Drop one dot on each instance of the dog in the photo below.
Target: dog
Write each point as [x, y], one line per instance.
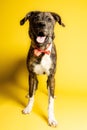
[42, 56]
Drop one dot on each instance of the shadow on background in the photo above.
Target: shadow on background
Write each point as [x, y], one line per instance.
[11, 70]
[13, 81]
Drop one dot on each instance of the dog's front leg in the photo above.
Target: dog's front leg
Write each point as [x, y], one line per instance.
[33, 82]
[51, 86]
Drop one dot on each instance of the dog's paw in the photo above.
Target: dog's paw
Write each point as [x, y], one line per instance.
[52, 122]
[26, 111]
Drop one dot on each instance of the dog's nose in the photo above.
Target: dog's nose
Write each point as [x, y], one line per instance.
[41, 24]
[40, 34]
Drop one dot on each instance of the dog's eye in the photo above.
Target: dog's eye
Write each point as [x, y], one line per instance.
[36, 18]
[49, 19]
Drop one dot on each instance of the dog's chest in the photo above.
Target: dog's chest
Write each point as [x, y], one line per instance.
[44, 66]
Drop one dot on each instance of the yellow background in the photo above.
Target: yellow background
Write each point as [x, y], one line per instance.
[71, 74]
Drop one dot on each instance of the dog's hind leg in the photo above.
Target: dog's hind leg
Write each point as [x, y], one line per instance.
[33, 82]
[51, 86]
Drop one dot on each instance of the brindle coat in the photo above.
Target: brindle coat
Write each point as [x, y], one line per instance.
[42, 24]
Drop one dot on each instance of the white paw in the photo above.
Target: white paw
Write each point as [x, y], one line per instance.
[53, 122]
[26, 110]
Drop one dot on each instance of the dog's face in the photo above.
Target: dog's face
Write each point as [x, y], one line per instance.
[41, 29]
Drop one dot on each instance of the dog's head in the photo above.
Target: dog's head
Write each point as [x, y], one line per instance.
[41, 29]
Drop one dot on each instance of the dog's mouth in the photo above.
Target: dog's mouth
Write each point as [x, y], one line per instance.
[41, 38]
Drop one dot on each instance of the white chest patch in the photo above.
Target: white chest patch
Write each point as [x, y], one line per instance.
[45, 64]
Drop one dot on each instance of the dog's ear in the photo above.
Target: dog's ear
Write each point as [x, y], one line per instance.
[28, 16]
[25, 18]
[57, 18]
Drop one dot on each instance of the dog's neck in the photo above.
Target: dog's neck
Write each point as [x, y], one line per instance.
[38, 51]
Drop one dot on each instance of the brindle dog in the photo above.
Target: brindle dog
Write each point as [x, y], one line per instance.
[42, 56]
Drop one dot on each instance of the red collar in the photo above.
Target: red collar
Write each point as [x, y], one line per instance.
[38, 51]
